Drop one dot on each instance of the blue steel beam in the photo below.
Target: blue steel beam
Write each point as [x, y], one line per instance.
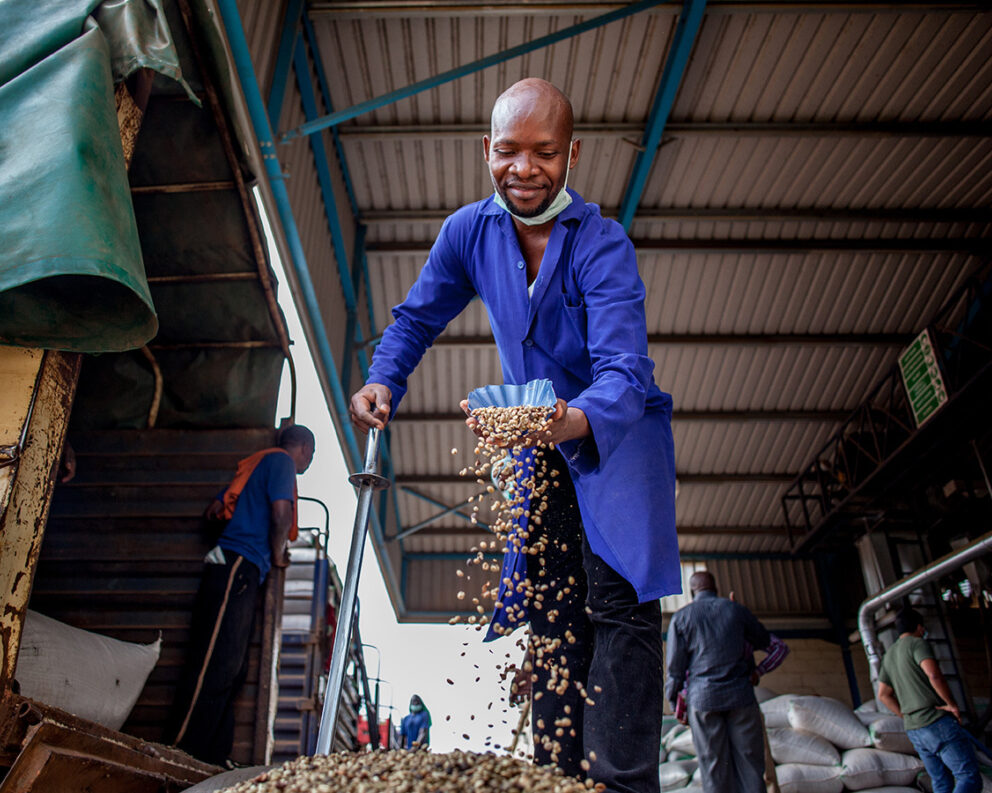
[671, 78]
[284, 58]
[436, 503]
[353, 328]
[263, 133]
[369, 105]
[325, 93]
[231, 20]
[302, 68]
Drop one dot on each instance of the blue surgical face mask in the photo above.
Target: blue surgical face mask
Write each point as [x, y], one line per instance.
[555, 208]
[416, 708]
[926, 633]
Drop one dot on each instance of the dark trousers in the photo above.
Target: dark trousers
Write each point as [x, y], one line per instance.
[610, 646]
[202, 720]
[731, 746]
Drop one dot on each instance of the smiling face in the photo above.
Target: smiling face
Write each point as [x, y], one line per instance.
[530, 149]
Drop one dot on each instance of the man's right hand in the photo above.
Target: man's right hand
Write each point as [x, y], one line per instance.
[370, 407]
[953, 710]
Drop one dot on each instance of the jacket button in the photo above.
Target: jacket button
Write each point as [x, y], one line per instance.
[528, 342]
[520, 265]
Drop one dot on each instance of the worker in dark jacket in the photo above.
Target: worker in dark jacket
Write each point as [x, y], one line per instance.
[259, 506]
[709, 639]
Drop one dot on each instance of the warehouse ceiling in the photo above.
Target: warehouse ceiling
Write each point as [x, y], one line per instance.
[805, 184]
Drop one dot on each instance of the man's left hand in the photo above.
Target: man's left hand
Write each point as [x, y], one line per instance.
[567, 424]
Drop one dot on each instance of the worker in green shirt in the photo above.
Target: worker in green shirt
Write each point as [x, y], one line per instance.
[912, 686]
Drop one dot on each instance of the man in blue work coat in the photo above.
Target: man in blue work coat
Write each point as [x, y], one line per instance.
[566, 302]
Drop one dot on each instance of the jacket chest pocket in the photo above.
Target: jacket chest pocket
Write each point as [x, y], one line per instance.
[569, 339]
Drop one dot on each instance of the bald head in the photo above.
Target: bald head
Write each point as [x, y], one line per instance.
[530, 150]
[533, 96]
[702, 581]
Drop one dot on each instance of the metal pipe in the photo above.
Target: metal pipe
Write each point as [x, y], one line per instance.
[367, 481]
[945, 564]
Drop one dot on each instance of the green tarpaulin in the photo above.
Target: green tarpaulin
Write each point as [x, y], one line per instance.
[71, 273]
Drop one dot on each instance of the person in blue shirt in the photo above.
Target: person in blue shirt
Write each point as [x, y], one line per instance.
[565, 302]
[712, 641]
[415, 728]
[260, 507]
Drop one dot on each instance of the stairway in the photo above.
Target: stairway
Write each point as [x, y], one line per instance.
[911, 554]
[294, 712]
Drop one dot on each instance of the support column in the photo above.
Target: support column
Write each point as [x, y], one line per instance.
[34, 413]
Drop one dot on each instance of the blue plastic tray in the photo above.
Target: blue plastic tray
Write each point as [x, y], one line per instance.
[535, 393]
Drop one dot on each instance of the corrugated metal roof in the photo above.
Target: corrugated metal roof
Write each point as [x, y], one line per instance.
[818, 185]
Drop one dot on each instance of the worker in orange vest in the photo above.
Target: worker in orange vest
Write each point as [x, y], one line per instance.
[259, 507]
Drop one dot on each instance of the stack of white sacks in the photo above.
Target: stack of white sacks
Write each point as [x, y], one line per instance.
[819, 746]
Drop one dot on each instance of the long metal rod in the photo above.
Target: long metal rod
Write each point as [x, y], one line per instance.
[346, 608]
[945, 564]
[671, 78]
[461, 71]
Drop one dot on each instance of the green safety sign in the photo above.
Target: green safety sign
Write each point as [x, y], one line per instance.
[921, 376]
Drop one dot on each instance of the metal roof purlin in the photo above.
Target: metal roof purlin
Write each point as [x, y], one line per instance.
[671, 78]
[461, 71]
[719, 129]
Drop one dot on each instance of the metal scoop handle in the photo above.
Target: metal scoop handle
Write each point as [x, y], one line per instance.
[368, 481]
